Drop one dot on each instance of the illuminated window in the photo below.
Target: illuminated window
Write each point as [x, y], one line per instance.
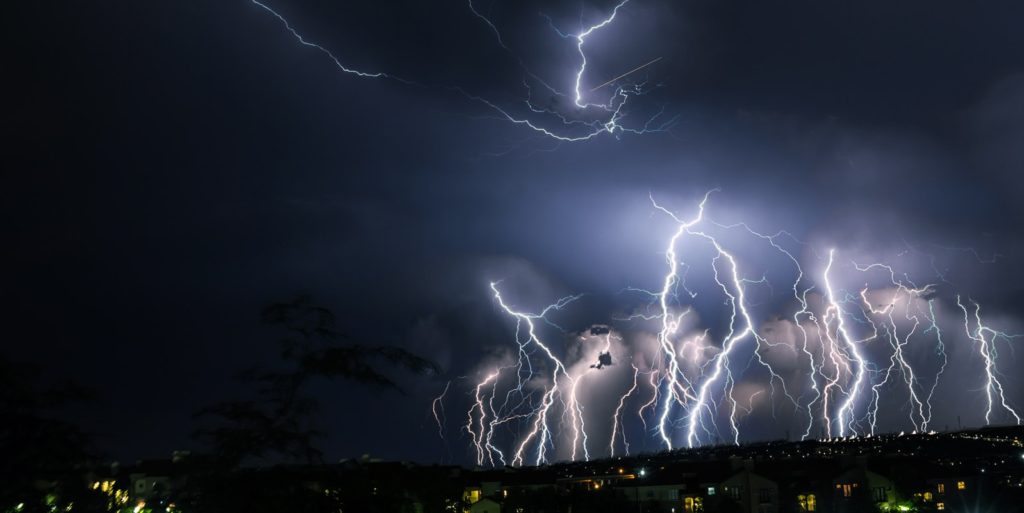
[928, 496]
[711, 490]
[940, 506]
[693, 505]
[847, 489]
[807, 502]
[960, 485]
[472, 496]
[941, 487]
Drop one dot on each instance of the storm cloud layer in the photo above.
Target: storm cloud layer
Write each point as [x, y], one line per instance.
[175, 167]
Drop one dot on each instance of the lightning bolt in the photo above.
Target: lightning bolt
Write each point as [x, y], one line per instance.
[987, 350]
[734, 288]
[563, 129]
[721, 361]
[940, 350]
[652, 377]
[581, 39]
[617, 417]
[906, 295]
[534, 401]
[837, 335]
[437, 408]
[676, 391]
[842, 335]
[540, 428]
[478, 434]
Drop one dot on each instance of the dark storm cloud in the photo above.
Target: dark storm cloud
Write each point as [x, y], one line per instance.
[177, 166]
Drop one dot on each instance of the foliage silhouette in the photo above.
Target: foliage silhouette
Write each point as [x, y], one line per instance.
[42, 458]
[277, 426]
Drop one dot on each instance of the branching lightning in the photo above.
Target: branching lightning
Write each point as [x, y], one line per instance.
[986, 338]
[848, 349]
[437, 408]
[617, 426]
[585, 121]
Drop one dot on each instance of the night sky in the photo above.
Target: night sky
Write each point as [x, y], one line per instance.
[172, 167]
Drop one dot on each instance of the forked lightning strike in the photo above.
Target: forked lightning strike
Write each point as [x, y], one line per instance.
[585, 121]
[847, 331]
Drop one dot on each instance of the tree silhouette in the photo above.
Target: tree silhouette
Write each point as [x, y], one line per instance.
[278, 425]
[279, 422]
[41, 454]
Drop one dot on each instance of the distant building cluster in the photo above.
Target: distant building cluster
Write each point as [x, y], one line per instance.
[972, 472]
[840, 485]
